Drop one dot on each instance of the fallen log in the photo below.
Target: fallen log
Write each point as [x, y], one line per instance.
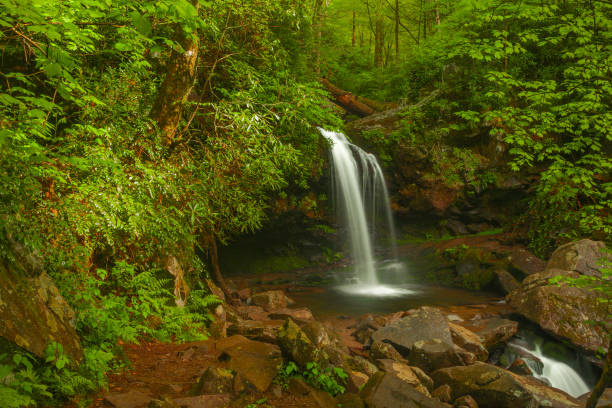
[387, 120]
[347, 100]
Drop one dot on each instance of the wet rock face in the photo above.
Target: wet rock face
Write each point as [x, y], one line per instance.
[411, 375]
[494, 387]
[562, 310]
[34, 314]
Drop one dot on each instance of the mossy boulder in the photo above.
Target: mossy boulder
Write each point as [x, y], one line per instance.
[33, 312]
[296, 345]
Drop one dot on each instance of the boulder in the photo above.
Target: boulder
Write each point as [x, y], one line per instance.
[425, 323]
[466, 402]
[208, 401]
[380, 350]
[34, 314]
[407, 374]
[129, 399]
[386, 390]
[257, 362]
[215, 381]
[433, 354]
[250, 312]
[524, 261]
[583, 257]
[443, 393]
[505, 281]
[356, 380]
[299, 314]
[494, 387]
[261, 330]
[296, 345]
[270, 300]
[520, 367]
[349, 400]
[494, 331]
[469, 341]
[561, 310]
[361, 364]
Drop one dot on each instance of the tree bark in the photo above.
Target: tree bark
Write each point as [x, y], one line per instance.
[177, 85]
[378, 41]
[214, 261]
[604, 380]
[318, 21]
[354, 29]
[397, 26]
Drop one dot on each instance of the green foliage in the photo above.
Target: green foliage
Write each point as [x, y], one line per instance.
[328, 379]
[25, 380]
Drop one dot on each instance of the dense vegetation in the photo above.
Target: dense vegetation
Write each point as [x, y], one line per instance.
[100, 183]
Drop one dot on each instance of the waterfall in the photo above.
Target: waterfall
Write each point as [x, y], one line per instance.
[557, 373]
[361, 193]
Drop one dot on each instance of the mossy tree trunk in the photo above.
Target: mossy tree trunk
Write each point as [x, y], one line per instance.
[175, 88]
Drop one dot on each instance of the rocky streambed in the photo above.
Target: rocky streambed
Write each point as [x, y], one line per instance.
[446, 356]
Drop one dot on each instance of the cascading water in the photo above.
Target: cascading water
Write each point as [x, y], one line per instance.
[557, 373]
[359, 186]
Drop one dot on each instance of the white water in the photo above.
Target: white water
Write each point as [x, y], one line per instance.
[355, 185]
[557, 373]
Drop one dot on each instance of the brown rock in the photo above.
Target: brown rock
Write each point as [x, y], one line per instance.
[469, 341]
[563, 311]
[494, 387]
[526, 262]
[506, 281]
[34, 314]
[204, 401]
[434, 354]
[349, 400]
[494, 331]
[296, 345]
[270, 300]
[583, 257]
[356, 380]
[520, 367]
[380, 350]
[443, 393]
[215, 381]
[252, 312]
[300, 314]
[466, 401]
[407, 374]
[386, 390]
[257, 362]
[261, 330]
[130, 399]
[423, 324]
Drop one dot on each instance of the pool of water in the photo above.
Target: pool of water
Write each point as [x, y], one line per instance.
[402, 285]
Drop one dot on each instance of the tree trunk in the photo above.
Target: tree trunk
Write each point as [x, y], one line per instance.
[604, 380]
[354, 28]
[437, 13]
[397, 25]
[378, 42]
[213, 256]
[175, 89]
[318, 21]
